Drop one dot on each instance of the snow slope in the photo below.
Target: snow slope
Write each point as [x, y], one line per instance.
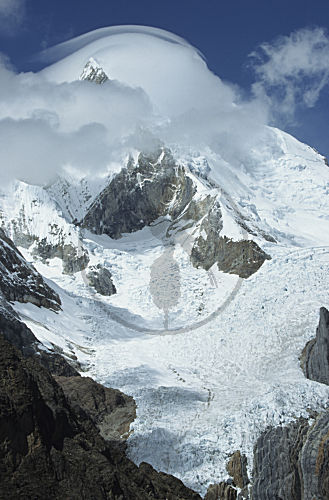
[203, 392]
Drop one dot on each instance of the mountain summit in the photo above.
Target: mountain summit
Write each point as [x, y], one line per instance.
[93, 72]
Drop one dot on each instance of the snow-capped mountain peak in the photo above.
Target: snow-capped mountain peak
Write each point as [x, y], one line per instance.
[93, 72]
[219, 263]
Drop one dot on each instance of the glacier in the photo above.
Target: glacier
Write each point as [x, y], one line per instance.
[226, 365]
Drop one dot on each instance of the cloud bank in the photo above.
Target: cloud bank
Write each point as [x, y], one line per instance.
[160, 87]
[46, 127]
[293, 70]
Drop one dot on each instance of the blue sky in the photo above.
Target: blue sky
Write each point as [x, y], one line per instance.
[226, 32]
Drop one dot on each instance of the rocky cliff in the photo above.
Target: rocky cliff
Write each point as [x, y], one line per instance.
[59, 436]
[315, 356]
[236, 487]
[19, 281]
[110, 410]
[156, 186]
[49, 450]
[276, 462]
[292, 462]
[140, 193]
[242, 257]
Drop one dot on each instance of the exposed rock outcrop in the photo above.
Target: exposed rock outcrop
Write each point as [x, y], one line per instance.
[20, 336]
[276, 462]
[206, 243]
[47, 450]
[15, 331]
[111, 410]
[237, 469]
[314, 460]
[139, 194]
[235, 488]
[100, 278]
[156, 186]
[221, 491]
[19, 281]
[74, 259]
[292, 462]
[315, 356]
[242, 257]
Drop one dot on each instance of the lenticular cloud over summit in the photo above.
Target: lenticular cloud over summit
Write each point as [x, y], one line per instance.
[171, 72]
[159, 88]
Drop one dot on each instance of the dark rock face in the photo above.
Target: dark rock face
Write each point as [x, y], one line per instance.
[74, 259]
[242, 257]
[20, 336]
[314, 460]
[292, 462]
[139, 194]
[111, 410]
[15, 331]
[228, 490]
[315, 356]
[237, 469]
[47, 450]
[56, 364]
[156, 187]
[100, 278]
[276, 462]
[19, 281]
[221, 491]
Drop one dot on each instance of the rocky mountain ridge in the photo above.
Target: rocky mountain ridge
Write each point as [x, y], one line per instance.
[48, 449]
[155, 187]
[19, 281]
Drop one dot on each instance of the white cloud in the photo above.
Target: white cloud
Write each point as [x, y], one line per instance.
[293, 70]
[12, 13]
[160, 87]
[45, 127]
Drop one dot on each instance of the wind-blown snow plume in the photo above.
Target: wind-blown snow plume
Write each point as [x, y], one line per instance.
[293, 70]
